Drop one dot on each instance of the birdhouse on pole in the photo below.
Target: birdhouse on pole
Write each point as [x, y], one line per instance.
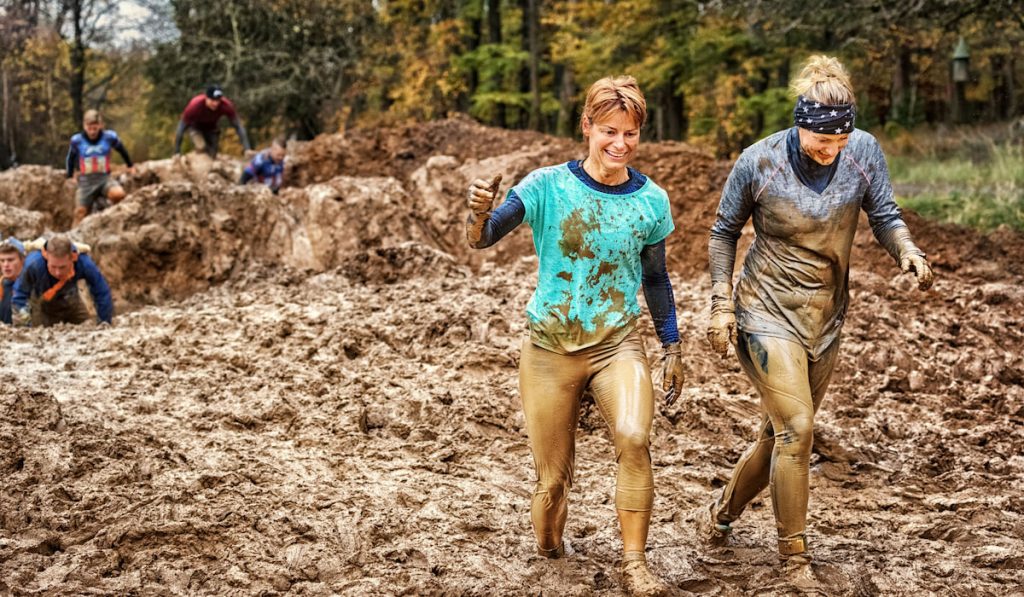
[960, 59]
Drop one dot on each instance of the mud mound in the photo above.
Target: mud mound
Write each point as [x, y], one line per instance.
[401, 150]
[41, 189]
[984, 257]
[693, 180]
[169, 240]
[438, 189]
[388, 265]
[21, 223]
[190, 167]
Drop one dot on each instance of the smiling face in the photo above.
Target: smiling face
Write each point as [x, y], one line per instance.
[612, 141]
[820, 147]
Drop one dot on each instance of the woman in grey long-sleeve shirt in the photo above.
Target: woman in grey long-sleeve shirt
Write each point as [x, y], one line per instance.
[804, 187]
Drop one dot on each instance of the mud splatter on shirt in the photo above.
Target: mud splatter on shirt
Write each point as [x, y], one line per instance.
[588, 239]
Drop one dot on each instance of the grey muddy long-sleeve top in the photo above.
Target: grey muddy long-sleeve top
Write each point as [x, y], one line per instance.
[795, 278]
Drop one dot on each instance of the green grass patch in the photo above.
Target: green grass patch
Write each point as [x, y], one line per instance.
[983, 188]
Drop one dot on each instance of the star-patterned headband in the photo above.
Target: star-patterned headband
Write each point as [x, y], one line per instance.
[821, 118]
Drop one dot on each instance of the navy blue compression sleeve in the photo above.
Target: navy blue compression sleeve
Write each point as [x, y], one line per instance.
[658, 292]
[71, 163]
[502, 220]
[121, 149]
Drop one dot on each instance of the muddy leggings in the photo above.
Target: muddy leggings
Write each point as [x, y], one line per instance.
[551, 385]
[791, 386]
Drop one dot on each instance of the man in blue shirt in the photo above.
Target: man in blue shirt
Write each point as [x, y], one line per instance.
[88, 164]
[267, 167]
[47, 291]
[12, 258]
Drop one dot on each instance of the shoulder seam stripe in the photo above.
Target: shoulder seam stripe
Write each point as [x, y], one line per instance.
[765, 185]
[862, 172]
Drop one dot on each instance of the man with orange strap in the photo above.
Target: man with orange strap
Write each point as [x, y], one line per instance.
[46, 293]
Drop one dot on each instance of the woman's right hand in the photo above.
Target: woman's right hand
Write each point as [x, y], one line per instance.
[482, 194]
[722, 331]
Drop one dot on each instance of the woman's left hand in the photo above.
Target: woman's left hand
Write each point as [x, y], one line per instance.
[672, 372]
[919, 265]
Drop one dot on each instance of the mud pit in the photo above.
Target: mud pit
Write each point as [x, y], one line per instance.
[279, 419]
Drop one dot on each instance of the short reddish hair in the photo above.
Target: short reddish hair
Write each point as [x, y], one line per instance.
[610, 94]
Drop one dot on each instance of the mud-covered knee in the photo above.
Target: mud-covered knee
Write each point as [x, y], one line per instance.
[632, 443]
[796, 436]
[552, 492]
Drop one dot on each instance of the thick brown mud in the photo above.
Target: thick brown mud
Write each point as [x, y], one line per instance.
[316, 394]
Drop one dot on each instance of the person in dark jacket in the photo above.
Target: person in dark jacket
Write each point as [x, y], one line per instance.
[46, 292]
[201, 119]
[12, 259]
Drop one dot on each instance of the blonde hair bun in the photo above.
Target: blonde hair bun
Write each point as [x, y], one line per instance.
[824, 79]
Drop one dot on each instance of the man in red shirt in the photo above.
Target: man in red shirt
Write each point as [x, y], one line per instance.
[201, 118]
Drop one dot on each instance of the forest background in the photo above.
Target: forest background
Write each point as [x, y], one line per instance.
[716, 74]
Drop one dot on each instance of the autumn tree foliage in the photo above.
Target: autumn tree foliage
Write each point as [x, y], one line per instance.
[714, 72]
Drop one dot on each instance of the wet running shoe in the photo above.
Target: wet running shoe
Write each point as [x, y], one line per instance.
[564, 549]
[552, 554]
[638, 578]
[709, 529]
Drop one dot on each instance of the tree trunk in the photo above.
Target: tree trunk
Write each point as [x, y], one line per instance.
[684, 117]
[523, 119]
[533, 38]
[475, 35]
[1009, 68]
[782, 72]
[660, 107]
[1001, 102]
[901, 93]
[494, 37]
[77, 58]
[54, 133]
[6, 139]
[566, 124]
[675, 115]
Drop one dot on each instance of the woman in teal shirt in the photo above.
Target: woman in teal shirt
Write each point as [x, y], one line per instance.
[599, 229]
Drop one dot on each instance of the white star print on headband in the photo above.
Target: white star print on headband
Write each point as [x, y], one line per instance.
[822, 118]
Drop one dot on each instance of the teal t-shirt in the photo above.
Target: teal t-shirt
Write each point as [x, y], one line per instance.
[588, 237]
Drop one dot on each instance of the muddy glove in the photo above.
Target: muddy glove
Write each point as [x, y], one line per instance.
[481, 198]
[898, 242]
[482, 194]
[722, 331]
[914, 262]
[672, 372]
[722, 327]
